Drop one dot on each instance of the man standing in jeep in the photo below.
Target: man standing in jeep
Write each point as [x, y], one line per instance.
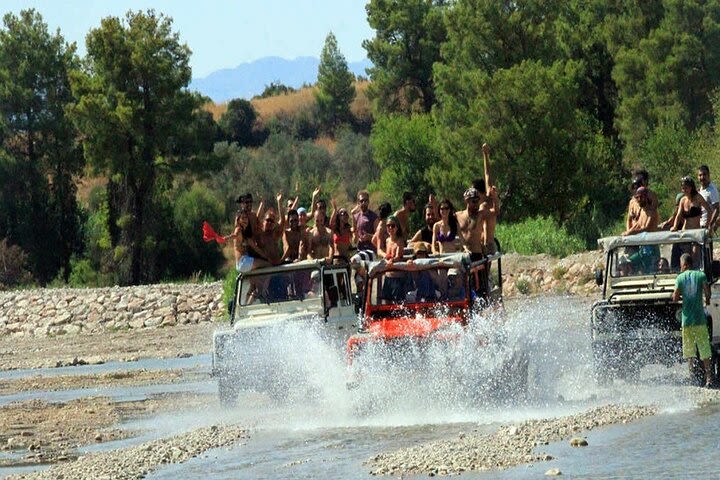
[690, 285]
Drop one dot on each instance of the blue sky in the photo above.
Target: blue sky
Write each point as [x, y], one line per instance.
[224, 33]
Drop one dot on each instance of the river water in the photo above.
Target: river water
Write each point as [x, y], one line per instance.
[327, 436]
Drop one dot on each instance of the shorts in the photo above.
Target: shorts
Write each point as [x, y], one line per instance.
[245, 264]
[696, 336]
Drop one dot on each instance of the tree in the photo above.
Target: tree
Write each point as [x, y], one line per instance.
[405, 148]
[533, 80]
[39, 211]
[132, 103]
[669, 75]
[335, 86]
[408, 35]
[238, 120]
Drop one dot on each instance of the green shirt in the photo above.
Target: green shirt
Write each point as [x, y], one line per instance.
[691, 283]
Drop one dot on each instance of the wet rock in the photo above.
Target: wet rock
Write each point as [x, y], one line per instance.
[578, 442]
[553, 472]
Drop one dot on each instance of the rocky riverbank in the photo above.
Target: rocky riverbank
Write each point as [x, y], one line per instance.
[509, 446]
[52, 312]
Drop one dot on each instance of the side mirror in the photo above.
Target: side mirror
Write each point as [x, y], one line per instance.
[598, 276]
[716, 268]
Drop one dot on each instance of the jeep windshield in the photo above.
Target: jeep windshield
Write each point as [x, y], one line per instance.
[660, 259]
[279, 287]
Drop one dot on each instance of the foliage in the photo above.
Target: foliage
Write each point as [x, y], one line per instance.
[131, 103]
[405, 149]
[274, 89]
[13, 266]
[190, 253]
[408, 35]
[237, 122]
[538, 235]
[229, 286]
[335, 86]
[670, 74]
[38, 209]
[353, 159]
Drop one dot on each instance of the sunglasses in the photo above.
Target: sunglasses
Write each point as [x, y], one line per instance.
[364, 200]
[391, 225]
[444, 208]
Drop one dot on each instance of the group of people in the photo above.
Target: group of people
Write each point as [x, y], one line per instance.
[694, 208]
[286, 233]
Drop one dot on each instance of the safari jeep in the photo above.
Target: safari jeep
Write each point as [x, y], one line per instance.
[272, 312]
[417, 316]
[636, 323]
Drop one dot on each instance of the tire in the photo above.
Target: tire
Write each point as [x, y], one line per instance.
[227, 391]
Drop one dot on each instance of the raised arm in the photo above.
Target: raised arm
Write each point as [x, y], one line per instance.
[315, 195]
[281, 214]
[333, 216]
[433, 247]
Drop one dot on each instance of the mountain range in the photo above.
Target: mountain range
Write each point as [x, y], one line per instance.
[250, 79]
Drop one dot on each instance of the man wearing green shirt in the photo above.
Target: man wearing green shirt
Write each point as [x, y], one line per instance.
[690, 285]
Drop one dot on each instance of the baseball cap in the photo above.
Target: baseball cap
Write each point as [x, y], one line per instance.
[471, 192]
[301, 210]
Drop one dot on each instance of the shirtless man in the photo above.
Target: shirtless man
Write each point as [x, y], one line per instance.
[640, 179]
[472, 222]
[294, 239]
[271, 233]
[403, 215]
[320, 244]
[365, 222]
[647, 216]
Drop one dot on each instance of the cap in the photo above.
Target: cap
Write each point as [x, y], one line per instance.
[453, 271]
[301, 210]
[623, 260]
[471, 193]
[315, 275]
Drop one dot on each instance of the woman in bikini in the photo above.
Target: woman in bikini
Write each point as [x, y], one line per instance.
[690, 206]
[395, 282]
[321, 245]
[342, 231]
[690, 212]
[248, 255]
[381, 233]
[445, 231]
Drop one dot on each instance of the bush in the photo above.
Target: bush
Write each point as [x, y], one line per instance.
[538, 235]
[13, 266]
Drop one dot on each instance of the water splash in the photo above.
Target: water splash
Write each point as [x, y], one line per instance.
[467, 376]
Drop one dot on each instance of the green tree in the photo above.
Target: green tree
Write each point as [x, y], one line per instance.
[408, 35]
[405, 148]
[353, 154]
[238, 120]
[335, 86]
[39, 210]
[669, 75]
[132, 103]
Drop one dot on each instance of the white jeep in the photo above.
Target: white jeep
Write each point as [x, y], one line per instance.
[270, 303]
[637, 323]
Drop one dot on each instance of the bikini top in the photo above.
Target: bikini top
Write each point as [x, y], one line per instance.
[342, 239]
[693, 212]
[442, 238]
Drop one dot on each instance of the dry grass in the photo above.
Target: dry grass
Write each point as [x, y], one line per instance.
[85, 186]
[291, 103]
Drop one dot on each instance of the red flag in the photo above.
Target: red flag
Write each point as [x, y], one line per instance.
[209, 234]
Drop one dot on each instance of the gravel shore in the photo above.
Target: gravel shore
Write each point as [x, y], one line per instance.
[509, 446]
[136, 462]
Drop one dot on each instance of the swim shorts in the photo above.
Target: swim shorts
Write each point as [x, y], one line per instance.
[696, 336]
[244, 264]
